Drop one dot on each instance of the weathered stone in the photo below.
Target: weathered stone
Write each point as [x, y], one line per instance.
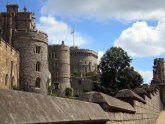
[59, 66]
[108, 103]
[18, 29]
[83, 60]
[129, 96]
[23, 107]
[141, 92]
[9, 66]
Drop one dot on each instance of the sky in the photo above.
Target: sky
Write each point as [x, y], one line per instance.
[137, 26]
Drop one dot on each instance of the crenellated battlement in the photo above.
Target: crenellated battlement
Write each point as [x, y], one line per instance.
[77, 51]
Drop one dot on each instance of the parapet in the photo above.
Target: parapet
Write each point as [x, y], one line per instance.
[108, 103]
[77, 51]
[160, 60]
[32, 34]
[49, 109]
[61, 46]
[128, 96]
[141, 92]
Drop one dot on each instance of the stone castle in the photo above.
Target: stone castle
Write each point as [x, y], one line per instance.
[38, 63]
[29, 63]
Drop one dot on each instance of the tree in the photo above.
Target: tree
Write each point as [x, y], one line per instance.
[117, 73]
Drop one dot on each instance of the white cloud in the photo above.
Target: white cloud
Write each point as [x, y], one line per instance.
[106, 9]
[100, 54]
[141, 40]
[147, 75]
[59, 31]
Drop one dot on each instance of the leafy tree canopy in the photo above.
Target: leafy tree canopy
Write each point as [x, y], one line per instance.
[117, 73]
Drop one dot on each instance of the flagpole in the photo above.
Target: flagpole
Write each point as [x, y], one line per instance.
[73, 38]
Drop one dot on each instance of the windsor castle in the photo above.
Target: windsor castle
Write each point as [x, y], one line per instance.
[29, 63]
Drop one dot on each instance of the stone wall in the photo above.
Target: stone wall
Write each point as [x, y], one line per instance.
[18, 107]
[144, 110]
[9, 70]
[83, 84]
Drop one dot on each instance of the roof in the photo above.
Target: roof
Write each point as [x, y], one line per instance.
[24, 107]
[112, 103]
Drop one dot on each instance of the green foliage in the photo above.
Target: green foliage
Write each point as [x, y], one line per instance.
[76, 74]
[68, 92]
[51, 92]
[90, 74]
[117, 73]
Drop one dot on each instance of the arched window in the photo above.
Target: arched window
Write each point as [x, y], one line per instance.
[38, 80]
[6, 79]
[38, 66]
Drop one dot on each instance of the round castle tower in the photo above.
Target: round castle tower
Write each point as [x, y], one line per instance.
[59, 66]
[83, 60]
[33, 47]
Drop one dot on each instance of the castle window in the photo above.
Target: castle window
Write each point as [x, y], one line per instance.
[38, 66]
[57, 74]
[6, 79]
[38, 80]
[56, 86]
[38, 49]
[55, 56]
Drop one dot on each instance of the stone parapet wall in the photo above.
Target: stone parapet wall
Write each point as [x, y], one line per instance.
[145, 113]
[84, 51]
[32, 34]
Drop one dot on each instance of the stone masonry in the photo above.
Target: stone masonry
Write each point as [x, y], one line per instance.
[59, 66]
[18, 29]
[83, 60]
[9, 61]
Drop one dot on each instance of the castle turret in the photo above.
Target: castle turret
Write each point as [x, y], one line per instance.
[158, 71]
[19, 29]
[59, 66]
[83, 60]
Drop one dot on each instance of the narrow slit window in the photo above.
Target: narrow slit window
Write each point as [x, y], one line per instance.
[38, 80]
[38, 49]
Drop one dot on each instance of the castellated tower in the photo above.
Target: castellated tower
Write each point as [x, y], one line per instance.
[83, 60]
[158, 71]
[18, 29]
[59, 66]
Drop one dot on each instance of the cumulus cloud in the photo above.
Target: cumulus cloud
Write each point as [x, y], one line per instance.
[106, 9]
[100, 54]
[59, 31]
[142, 40]
[147, 75]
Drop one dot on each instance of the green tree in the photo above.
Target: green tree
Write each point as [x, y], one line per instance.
[117, 73]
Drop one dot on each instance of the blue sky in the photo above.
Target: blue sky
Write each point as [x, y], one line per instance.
[137, 26]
